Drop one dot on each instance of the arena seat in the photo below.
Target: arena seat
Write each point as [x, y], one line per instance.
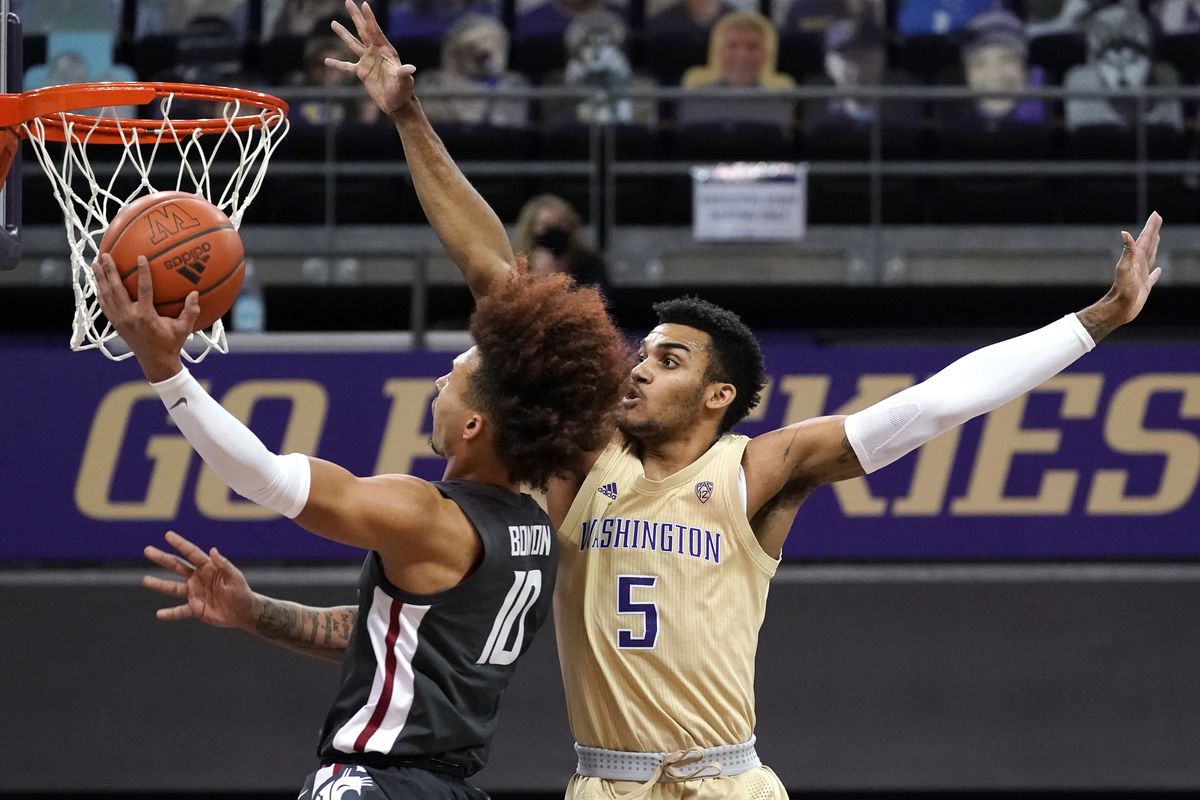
[731, 140]
[1056, 53]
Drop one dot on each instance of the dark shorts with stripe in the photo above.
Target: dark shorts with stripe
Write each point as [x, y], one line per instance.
[358, 782]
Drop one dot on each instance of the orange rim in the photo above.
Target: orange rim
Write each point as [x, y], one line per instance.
[53, 107]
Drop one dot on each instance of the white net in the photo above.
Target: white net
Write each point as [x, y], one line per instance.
[225, 165]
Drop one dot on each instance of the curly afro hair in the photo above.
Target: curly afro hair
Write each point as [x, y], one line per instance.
[735, 356]
[551, 366]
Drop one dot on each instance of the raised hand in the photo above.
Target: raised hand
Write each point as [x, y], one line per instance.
[155, 340]
[388, 80]
[1136, 273]
[213, 589]
[1135, 277]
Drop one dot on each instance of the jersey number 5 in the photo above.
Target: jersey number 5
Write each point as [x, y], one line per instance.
[527, 586]
[627, 605]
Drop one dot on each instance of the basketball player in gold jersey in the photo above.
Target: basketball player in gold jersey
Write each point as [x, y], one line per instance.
[670, 534]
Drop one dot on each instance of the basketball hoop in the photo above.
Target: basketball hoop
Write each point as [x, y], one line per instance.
[156, 155]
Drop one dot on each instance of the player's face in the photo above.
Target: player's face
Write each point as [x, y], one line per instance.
[997, 68]
[665, 391]
[743, 54]
[450, 408]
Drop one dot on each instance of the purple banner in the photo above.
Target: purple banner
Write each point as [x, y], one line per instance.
[1101, 462]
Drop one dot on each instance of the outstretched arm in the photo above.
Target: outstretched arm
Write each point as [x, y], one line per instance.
[830, 449]
[468, 227]
[390, 514]
[215, 592]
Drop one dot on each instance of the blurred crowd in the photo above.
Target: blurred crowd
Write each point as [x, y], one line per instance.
[493, 45]
[490, 46]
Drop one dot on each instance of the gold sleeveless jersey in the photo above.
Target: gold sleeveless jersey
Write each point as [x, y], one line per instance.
[661, 591]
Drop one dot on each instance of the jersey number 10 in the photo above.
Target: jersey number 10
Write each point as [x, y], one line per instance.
[502, 647]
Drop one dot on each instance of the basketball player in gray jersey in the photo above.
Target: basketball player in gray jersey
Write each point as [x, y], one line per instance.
[460, 571]
[680, 523]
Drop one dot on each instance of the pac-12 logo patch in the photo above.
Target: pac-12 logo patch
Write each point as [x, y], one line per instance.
[704, 490]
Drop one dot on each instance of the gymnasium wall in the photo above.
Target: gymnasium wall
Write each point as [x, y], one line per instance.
[924, 678]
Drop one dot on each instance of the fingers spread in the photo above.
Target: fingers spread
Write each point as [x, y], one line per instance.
[169, 588]
[357, 16]
[193, 554]
[173, 613]
[1154, 276]
[168, 561]
[344, 66]
[369, 28]
[349, 38]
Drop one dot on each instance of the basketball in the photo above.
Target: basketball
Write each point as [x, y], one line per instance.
[191, 246]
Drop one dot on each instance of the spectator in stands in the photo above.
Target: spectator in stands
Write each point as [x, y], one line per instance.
[551, 17]
[414, 19]
[475, 57]
[316, 73]
[50, 16]
[1177, 16]
[299, 17]
[596, 59]
[549, 232]
[995, 59]
[815, 16]
[79, 37]
[67, 64]
[742, 54]
[1120, 50]
[926, 17]
[173, 16]
[855, 58]
[207, 50]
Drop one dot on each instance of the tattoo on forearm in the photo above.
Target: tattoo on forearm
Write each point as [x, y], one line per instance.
[319, 628]
[1096, 326]
[277, 621]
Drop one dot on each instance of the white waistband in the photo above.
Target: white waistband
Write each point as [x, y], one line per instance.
[621, 765]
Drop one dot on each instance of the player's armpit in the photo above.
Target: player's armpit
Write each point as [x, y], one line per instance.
[804, 455]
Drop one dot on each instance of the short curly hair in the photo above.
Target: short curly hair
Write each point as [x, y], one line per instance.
[735, 357]
[551, 366]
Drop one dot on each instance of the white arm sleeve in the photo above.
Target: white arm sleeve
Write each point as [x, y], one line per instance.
[973, 385]
[239, 458]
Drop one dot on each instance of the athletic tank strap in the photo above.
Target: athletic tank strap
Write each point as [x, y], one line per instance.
[682, 765]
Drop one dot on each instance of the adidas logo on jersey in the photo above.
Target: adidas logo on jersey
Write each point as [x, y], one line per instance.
[609, 490]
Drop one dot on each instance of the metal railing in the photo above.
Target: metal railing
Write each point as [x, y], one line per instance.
[603, 165]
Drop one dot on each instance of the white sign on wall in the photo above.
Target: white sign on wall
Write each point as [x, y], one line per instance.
[747, 201]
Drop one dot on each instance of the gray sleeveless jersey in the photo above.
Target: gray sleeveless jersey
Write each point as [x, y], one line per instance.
[423, 674]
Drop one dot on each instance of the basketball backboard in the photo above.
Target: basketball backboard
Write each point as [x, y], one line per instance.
[11, 67]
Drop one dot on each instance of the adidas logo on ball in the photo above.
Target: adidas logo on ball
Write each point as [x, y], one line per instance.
[190, 263]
